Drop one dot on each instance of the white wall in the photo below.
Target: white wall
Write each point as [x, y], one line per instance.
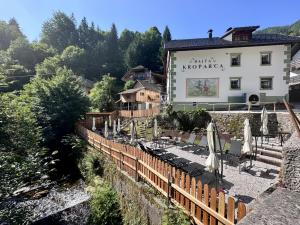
[250, 72]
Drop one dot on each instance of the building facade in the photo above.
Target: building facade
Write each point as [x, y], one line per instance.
[238, 67]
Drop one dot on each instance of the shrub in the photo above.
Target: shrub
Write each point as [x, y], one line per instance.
[175, 217]
[105, 207]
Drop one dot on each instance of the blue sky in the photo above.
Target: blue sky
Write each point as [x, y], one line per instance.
[186, 18]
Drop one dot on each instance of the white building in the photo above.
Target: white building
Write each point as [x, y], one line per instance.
[237, 67]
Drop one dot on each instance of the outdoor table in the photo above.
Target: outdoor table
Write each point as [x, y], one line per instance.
[179, 162]
[165, 140]
[157, 151]
[167, 156]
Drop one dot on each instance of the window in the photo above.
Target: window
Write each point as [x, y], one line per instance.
[235, 83]
[265, 58]
[235, 59]
[266, 83]
[141, 93]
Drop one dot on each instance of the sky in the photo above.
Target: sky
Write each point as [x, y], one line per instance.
[185, 18]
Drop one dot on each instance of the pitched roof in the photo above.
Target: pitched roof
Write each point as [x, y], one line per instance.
[131, 91]
[147, 85]
[216, 42]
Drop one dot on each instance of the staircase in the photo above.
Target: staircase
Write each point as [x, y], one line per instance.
[269, 153]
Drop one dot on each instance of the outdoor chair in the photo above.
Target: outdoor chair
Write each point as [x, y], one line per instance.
[223, 142]
[201, 146]
[188, 143]
[234, 155]
[193, 169]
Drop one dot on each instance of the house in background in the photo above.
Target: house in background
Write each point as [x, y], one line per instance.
[145, 97]
[142, 96]
[238, 67]
[144, 74]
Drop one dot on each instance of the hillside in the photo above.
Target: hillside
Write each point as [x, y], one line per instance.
[292, 30]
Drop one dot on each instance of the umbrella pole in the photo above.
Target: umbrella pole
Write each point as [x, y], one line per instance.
[216, 128]
[215, 150]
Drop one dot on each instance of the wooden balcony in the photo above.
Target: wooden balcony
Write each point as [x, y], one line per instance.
[139, 113]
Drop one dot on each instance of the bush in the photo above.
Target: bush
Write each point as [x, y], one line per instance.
[175, 217]
[105, 207]
[186, 120]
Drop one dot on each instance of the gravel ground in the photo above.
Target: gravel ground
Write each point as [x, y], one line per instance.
[245, 185]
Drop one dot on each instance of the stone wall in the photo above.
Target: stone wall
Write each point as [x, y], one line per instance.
[291, 163]
[232, 122]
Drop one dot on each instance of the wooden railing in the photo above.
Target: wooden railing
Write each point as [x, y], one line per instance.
[139, 113]
[204, 206]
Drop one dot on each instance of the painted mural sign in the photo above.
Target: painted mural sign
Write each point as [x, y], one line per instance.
[202, 87]
[206, 63]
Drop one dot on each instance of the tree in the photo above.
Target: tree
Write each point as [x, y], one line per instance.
[134, 55]
[125, 40]
[12, 75]
[20, 144]
[101, 96]
[49, 66]
[21, 50]
[113, 56]
[166, 35]
[73, 58]
[152, 39]
[8, 33]
[129, 85]
[58, 103]
[145, 50]
[60, 31]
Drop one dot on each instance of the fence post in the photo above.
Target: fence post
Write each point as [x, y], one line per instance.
[213, 107]
[229, 107]
[136, 169]
[169, 187]
[274, 108]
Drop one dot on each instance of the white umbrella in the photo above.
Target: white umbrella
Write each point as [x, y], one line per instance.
[94, 124]
[114, 128]
[247, 147]
[132, 132]
[119, 125]
[155, 128]
[264, 121]
[109, 121]
[105, 129]
[212, 162]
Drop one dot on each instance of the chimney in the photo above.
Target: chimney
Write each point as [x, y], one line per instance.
[210, 33]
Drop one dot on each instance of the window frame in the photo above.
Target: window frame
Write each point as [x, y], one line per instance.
[235, 54]
[240, 83]
[272, 83]
[270, 58]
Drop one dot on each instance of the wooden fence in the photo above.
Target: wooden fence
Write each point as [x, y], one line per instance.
[139, 113]
[204, 206]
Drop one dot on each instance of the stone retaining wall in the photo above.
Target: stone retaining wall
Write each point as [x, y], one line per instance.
[291, 163]
[232, 122]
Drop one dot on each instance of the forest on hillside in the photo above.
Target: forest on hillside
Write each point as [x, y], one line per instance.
[84, 48]
[292, 30]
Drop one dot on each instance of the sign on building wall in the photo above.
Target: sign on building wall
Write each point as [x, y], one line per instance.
[206, 63]
[202, 87]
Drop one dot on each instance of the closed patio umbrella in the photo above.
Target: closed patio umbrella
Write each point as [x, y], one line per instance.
[94, 124]
[119, 125]
[109, 121]
[212, 162]
[155, 128]
[132, 132]
[114, 128]
[105, 129]
[247, 147]
[264, 121]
